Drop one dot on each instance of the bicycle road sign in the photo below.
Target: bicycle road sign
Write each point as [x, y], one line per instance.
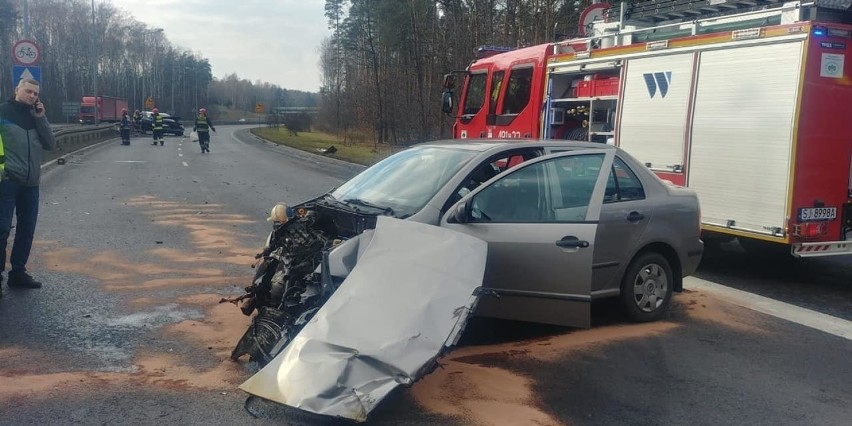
[26, 52]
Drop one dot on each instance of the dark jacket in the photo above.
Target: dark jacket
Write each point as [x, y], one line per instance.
[24, 136]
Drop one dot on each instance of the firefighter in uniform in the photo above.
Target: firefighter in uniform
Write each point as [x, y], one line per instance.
[124, 127]
[202, 126]
[157, 126]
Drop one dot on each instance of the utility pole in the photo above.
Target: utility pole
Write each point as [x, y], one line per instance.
[95, 66]
[26, 21]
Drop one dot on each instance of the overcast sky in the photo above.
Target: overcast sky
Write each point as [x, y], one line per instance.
[276, 41]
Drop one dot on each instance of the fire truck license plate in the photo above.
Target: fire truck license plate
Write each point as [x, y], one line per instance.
[817, 213]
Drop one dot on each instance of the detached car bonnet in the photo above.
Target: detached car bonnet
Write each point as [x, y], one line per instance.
[403, 304]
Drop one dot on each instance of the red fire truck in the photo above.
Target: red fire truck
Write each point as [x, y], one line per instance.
[752, 110]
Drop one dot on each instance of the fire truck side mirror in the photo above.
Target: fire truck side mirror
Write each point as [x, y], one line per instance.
[449, 82]
[447, 102]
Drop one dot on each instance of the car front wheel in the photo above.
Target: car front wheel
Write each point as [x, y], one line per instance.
[646, 289]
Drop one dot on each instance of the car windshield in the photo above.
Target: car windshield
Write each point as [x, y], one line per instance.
[406, 181]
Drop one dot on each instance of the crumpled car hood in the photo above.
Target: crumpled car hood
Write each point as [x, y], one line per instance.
[403, 304]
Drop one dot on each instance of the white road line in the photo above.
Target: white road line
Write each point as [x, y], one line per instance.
[129, 161]
[180, 155]
[817, 320]
[184, 164]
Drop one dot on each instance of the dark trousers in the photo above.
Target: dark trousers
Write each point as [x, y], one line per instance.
[125, 134]
[22, 201]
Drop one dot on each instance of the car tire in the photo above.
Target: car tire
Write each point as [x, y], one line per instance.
[647, 286]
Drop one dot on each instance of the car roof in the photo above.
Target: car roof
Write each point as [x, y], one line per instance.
[483, 145]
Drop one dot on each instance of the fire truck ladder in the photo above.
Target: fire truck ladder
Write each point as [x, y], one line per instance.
[656, 20]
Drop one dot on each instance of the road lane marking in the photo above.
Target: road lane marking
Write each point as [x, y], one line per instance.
[803, 316]
[184, 164]
[129, 161]
[180, 155]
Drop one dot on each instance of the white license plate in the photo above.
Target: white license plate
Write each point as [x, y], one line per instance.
[817, 213]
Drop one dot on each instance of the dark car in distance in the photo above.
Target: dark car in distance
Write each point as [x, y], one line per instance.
[172, 127]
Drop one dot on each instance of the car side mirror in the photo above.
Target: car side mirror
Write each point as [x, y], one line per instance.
[447, 102]
[461, 213]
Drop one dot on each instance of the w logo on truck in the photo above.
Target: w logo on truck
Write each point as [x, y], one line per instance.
[658, 80]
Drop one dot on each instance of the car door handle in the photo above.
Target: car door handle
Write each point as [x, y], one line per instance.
[635, 217]
[571, 241]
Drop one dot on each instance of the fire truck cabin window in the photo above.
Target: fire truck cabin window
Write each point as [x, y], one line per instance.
[475, 94]
[518, 91]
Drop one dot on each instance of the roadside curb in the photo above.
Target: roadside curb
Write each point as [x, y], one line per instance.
[52, 164]
[304, 154]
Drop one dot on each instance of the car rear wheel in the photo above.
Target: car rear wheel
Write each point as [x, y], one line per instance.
[646, 289]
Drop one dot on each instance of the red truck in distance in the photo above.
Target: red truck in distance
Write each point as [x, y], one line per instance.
[109, 109]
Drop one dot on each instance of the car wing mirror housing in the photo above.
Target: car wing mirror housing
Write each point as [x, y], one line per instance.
[461, 213]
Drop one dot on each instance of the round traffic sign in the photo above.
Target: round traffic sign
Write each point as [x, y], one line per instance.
[593, 13]
[26, 52]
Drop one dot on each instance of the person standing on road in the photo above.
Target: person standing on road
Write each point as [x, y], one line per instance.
[137, 121]
[202, 126]
[157, 126]
[24, 132]
[124, 127]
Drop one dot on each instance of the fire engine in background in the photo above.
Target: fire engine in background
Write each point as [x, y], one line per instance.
[109, 109]
[750, 108]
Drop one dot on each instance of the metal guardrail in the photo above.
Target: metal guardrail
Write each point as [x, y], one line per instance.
[72, 138]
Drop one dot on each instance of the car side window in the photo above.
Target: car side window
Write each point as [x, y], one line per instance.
[575, 178]
[555, 190]
[517, 197]
[490, 168]
[622, 185]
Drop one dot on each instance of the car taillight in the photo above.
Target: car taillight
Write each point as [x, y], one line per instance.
[809, 229]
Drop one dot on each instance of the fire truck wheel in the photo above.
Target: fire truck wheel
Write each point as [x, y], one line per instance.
[646, 289]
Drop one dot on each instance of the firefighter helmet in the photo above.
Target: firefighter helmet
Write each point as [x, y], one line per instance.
[203, 111]
[124, 110]
[155, 111]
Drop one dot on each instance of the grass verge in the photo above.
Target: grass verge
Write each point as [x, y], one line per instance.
[360, 153]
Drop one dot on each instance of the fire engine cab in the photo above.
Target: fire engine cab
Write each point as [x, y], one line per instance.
[749, 103]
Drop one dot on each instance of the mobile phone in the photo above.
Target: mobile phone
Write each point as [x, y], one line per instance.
[35, 108]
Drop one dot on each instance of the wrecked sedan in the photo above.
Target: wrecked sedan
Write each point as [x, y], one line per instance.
[565, 223]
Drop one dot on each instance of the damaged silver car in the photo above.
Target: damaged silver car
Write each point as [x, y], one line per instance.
[565, 223]
[406, 296]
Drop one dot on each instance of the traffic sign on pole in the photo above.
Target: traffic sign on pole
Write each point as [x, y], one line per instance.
[258, 108]
[149, 103]
[19, 72]
[26, 52]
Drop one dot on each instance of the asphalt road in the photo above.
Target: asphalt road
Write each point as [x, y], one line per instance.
[136, 245]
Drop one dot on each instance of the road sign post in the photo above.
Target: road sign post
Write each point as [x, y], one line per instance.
[258, 109]
[26, 55]
[70, 109]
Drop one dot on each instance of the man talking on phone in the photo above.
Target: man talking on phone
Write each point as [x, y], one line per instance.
[24, 132]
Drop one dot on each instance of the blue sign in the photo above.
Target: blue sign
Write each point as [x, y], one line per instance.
[25, 71]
